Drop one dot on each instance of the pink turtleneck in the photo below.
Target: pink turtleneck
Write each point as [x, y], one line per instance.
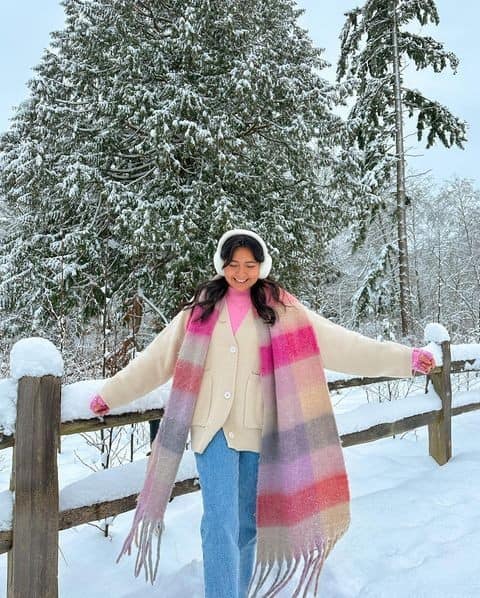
[238, 303]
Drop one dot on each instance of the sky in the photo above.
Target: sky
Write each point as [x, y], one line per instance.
[25, 26]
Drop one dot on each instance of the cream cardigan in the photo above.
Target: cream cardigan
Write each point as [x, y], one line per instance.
[230, 396]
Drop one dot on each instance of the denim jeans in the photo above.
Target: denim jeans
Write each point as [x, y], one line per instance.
[228, 480]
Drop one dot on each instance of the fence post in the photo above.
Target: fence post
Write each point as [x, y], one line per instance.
[440, 432]
[33, 558]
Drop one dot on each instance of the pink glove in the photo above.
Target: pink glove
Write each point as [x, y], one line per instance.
[98, 405]
[422, 361]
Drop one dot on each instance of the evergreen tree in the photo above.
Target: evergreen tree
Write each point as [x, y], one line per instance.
[151, 129]
[374, 297]
[374, 47]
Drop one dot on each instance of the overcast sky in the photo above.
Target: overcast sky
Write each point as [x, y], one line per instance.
[25, 26]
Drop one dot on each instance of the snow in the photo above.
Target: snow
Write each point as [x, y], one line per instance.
[436, 351]
[35, 356]
[473, 366]
[117, 482]
[106, 484]
[465, 397]
[366, 416]
[460, 352]
[76, 399]
[464, 352]
[6, 510]
[8, 406]
[436, 333]
[409, 516]
[333, 376]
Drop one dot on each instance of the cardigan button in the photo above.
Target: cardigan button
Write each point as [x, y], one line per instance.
[227, 394]
[231, 435]
[233, 349]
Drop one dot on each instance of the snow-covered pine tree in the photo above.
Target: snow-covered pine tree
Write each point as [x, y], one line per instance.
[151, 128]
[374, 295]
[3, 219]
[375, 43]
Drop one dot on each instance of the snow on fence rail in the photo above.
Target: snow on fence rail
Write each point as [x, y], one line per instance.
[31, 404]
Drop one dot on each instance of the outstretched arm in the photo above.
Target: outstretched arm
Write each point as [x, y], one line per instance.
[151, 368]
[352, 353]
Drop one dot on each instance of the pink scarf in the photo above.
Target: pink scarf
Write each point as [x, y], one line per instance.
[303, 494]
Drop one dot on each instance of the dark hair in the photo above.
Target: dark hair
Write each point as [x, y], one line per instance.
[215, 289]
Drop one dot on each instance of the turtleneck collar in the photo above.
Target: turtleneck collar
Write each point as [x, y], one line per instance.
[238, 304]
[238, 295]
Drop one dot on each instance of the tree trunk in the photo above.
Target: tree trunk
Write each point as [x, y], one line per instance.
[419, 302]
[405, 299]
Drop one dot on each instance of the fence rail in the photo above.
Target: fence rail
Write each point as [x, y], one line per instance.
[32, 543]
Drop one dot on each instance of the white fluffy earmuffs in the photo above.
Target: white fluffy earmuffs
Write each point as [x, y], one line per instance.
[265, 266]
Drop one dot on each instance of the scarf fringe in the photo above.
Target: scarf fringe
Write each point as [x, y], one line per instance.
[142, 533]
[313, 560]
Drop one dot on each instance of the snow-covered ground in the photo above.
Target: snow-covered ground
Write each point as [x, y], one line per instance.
[415, 528]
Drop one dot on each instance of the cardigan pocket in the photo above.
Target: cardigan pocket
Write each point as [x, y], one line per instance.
[253, 416]
[204, 401]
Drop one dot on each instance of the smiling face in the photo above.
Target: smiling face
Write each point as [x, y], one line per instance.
[243, 271]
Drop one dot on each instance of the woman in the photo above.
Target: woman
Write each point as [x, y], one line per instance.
[247, 361]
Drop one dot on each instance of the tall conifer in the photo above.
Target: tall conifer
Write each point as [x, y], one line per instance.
[152, 127]
[375, 45]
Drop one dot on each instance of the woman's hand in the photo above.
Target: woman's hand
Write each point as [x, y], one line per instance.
[98, 406]
[422, 361]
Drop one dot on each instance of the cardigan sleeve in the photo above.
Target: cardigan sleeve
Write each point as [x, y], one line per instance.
[151, 368]
[350, 352]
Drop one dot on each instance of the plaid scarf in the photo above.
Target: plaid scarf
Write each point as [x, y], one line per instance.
[302, 494]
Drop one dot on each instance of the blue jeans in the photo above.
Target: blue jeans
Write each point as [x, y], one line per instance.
[228, 480]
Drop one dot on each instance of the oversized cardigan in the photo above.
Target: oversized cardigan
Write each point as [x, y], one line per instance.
[230, 396]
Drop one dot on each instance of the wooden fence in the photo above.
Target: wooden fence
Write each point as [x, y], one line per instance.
[32, 543]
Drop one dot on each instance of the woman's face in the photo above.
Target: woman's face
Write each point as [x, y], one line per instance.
[243, 271]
